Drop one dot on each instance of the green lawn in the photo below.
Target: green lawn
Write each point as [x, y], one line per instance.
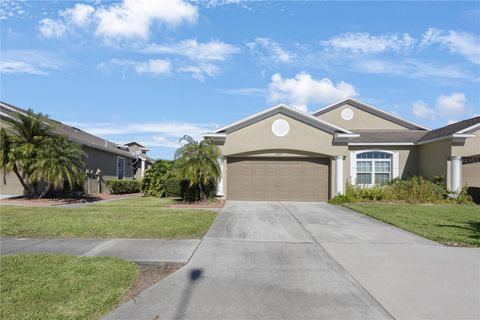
[140, 217]
[450, 224]
[41, 286]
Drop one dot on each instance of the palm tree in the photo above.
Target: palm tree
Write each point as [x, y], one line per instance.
[197, 162]
[19, 144]
[59, 160]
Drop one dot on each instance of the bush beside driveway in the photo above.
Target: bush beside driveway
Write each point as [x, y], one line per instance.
[448, 224]
[140, 218]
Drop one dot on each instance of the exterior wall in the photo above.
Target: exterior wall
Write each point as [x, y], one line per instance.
[107, 163]
[407, 155]
[13, 185]
[301, 138]
[434, 158]
[470, 147]
[361, 120]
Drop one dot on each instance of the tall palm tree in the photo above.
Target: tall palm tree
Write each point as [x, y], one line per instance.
[59, 160]
[197, 162]
[19, 144]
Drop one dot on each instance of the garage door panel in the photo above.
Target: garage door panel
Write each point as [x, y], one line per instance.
[293, 179]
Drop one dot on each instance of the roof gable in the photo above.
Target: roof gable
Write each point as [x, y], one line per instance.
[458, 128]
[372, 110]
[288, 111]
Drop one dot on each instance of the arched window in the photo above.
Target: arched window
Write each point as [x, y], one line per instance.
[373, 167]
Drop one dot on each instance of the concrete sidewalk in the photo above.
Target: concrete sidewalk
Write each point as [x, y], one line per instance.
[141, 251]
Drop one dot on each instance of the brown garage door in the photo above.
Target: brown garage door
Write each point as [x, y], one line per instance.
[294, 179]
[471, 176]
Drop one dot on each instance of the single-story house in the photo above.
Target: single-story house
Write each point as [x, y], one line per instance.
[103, 158]
[285, 154]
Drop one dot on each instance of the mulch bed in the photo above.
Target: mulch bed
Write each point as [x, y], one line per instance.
[48, 202]
[149, 275]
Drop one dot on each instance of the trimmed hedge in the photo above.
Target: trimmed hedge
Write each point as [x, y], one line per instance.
[122, 186]
[172, 187]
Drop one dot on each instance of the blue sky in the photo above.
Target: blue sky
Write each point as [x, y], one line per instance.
[152, 71]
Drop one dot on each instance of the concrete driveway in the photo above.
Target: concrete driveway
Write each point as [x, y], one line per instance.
[272, 260]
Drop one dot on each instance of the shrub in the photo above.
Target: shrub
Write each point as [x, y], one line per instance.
[341, 199]
[374, 193]
[122, 186]
[414, 190]
[463, 197]
[192, 194]
[172, 187]
[154, 181]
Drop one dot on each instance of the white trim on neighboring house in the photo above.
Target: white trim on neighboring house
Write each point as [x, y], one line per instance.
[353, 163]
[450, 136]
[289, 111]
[358, 102]
[124, 165]
[381, 144]
[477, 125]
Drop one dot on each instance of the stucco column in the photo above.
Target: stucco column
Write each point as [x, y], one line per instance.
[143, 167]
[339, 175]
[220, 185]
[455, 173]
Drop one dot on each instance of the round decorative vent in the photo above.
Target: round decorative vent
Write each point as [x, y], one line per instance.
[280, 128]
[347, 114]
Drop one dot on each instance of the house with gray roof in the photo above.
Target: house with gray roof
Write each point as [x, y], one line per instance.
[285, 154]
[104, 159]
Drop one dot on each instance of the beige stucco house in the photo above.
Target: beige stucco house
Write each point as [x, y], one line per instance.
[285, 154]
[104, 159]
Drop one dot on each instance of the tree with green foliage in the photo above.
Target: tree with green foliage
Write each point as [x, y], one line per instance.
[155, 178]
[59, 160]
[30, 149]
[197, 163]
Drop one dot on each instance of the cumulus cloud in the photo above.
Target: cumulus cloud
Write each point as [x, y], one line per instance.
[213, 50]
[462, 43]
[421, 110]
[133, 18]
[269, 50]
[79, 15]
[447, 105]
[302, 90]
[52, 28]
[363, 42]
[129, 19]
[453, 104]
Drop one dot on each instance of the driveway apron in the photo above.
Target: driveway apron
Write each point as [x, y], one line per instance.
[256, 262]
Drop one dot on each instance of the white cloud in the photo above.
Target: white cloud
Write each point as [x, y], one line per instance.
[52, 28]
[268, 49]
[213, 50]
[79, 15]
[201, 71]
[463, 43]
[152, 134]
[453, 104]
[363, 42]
[153, 67]
[303, 90]
[133, 18]
[36, 62]
[421, 110]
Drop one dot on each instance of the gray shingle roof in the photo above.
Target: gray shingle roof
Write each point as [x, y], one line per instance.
[74, 134]
[388, 136]
[450, 129]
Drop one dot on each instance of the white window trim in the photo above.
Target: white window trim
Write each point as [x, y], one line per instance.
[124, 164]
[353, 163]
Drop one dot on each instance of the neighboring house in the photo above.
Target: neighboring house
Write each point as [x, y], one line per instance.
[285, 154]
[103, 158]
